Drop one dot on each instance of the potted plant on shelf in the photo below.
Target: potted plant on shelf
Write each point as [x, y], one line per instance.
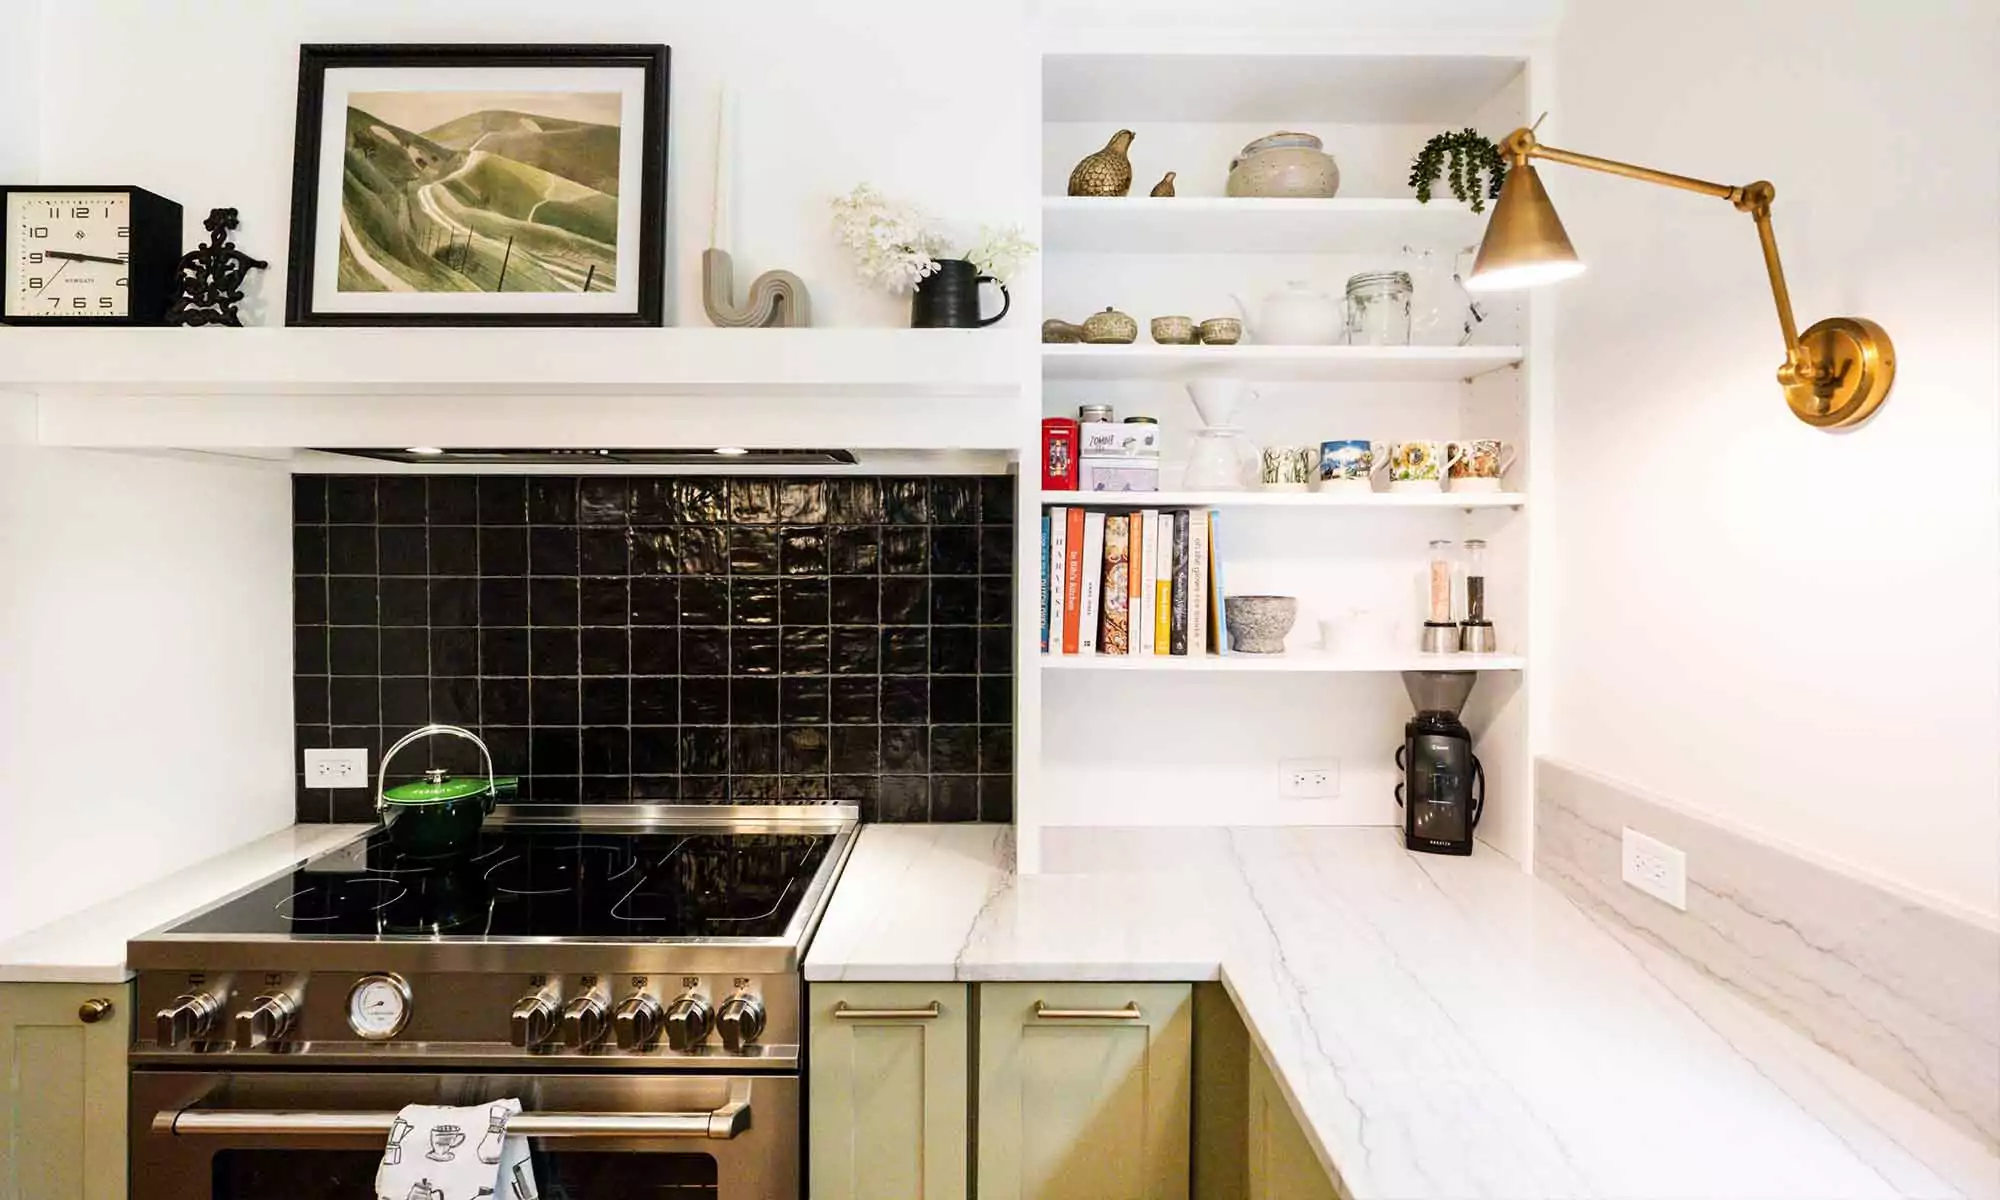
[901, 248]
[1461, 156]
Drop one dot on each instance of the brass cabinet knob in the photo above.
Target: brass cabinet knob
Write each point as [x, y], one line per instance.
[90, 1012]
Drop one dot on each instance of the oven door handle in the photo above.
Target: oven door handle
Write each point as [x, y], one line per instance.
[721, 1124]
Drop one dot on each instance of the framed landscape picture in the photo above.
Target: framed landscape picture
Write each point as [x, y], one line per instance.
[479, 185]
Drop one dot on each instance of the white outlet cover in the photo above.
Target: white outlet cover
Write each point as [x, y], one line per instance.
[1309, 778]
[337, 768]
[1655, 868]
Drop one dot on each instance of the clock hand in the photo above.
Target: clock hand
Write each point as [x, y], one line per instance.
[73, 257]
[51, 279]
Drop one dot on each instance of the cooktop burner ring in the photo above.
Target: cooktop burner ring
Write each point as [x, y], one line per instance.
[338, 905]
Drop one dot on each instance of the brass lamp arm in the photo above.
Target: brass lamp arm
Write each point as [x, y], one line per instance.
[1840, 371]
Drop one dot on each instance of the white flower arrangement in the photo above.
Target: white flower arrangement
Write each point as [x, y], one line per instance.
[896, 246]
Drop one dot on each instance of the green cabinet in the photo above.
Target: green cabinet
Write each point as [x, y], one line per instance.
[1282, 1164]
[62, 1113]
[889, 1091]
[1084, 1091]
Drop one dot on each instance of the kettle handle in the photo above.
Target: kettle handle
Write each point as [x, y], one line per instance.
[1478, 792]
[485, 755]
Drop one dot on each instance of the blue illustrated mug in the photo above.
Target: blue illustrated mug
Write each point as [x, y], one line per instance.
[1347, 465]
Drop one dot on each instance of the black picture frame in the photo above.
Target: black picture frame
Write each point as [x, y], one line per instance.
[314, 62]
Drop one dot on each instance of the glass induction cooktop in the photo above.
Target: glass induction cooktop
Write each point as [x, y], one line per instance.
[539, 881]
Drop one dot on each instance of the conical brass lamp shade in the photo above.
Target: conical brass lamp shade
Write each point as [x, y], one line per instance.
[1525, 244]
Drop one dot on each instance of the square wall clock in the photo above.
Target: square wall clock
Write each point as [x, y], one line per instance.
[104, 255]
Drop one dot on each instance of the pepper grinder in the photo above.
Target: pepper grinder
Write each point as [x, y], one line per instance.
[1440, 631]
[1476, 634]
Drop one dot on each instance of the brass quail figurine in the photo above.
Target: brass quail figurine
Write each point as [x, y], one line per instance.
[1165, 187]
[1107, 172]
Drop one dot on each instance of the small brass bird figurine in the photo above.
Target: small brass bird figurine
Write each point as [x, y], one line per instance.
[1107, 172]
[1165, 187]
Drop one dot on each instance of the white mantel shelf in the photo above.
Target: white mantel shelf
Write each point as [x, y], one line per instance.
[1291, 364]
[1243, 225]
[1292, 661]
[273, 387]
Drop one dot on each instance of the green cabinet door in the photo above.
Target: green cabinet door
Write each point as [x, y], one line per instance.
[888, 1091]
[1282, 1163]
[1084, 1091]
[62, 1112]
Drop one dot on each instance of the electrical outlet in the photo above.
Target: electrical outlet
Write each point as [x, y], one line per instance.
[337, 768]
[1655, 868]
[1309, 778]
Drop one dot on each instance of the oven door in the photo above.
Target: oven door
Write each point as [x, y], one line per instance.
[306, 1135]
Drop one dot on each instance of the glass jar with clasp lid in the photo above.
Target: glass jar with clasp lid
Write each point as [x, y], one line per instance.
[1378, 309]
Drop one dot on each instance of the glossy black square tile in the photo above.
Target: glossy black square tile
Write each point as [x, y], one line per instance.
[454, 550]
[309, 499]
[605, 602]
[607, 652]
[348, 806]
[607, 700]
[552, 652]
[552, 500]
[748, 639]
[656, 651]
[350, 499]
[400, 500]
[503, 500]
[452, 500]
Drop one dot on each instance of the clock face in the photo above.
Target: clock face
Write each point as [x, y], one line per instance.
[67, 255]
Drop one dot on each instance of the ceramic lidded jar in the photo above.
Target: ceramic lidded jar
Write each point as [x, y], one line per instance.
[1110, 327]
[1285, 164]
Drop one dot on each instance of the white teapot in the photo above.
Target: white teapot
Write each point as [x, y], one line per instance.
[1296, 315]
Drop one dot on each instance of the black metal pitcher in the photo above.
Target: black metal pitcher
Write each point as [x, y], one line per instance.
[948, 298]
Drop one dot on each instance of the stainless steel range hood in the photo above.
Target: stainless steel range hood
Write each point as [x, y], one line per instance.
[725, 456]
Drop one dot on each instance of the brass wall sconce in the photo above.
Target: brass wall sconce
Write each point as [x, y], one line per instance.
[1836, 374]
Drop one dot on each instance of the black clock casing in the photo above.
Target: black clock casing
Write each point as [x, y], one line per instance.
[155, 250]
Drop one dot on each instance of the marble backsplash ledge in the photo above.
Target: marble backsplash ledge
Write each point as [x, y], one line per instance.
[1908, 993]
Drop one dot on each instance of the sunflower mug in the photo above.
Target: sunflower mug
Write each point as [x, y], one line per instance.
[1420, 466]
[1479, 464]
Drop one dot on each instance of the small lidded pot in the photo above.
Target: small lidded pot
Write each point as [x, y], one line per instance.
[1110, 327]
[1173, 331]
[1285, 164]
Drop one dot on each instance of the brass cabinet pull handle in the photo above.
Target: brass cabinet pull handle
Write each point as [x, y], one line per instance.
[929, 1012]
[90, 1012]
[1129, 1013]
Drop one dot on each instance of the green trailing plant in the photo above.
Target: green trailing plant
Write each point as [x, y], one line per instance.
[1461, 157]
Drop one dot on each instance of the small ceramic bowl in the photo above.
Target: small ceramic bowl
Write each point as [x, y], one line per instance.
[1173, 331]
[1258, 624]
[1220, 331]
[1059, 332]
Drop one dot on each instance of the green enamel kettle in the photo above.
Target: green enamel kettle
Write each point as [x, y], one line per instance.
[438, 816]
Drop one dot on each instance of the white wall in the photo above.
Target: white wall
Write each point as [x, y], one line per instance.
[1795, 632]
[145, 668]
[932, 103]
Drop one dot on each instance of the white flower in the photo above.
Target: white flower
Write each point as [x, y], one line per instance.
[896, 246]
[1000, 252]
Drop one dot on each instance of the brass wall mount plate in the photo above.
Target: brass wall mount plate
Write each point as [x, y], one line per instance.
[1860, 366]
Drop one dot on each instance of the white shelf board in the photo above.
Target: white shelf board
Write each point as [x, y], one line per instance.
[1288, 364]
[1236, 88]
[1237, 225]
[1303, 660]
[884, 389]
[1310, 500]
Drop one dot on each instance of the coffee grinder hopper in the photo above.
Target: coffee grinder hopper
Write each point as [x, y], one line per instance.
[1439, 691]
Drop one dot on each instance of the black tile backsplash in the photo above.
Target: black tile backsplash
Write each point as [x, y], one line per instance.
[669, 638]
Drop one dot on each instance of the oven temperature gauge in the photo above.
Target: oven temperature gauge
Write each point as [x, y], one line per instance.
[378, 1007]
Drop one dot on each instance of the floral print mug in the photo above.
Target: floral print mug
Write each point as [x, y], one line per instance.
[1420, 466]
[1479, 464]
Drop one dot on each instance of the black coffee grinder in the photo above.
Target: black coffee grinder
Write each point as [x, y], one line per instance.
[1444, 788]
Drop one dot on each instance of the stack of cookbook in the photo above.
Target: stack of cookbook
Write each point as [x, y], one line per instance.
[1140, 582]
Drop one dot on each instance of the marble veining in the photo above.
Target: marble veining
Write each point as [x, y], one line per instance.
[1442, 1027]
[1908, 993]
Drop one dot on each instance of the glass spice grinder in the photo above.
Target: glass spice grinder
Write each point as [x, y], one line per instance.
[1475, 633]
[1440, 631]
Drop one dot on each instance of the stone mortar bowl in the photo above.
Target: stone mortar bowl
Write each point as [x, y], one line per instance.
[1258, 624]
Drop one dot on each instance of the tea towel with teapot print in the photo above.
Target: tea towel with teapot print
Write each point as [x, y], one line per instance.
[438, 1153]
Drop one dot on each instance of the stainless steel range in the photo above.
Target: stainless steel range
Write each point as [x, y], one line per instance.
[630, 973]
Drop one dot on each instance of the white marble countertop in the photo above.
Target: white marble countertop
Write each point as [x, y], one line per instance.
[1442, 1026]
[89, 947]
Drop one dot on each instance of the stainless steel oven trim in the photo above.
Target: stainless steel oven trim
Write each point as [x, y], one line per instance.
[158, 949]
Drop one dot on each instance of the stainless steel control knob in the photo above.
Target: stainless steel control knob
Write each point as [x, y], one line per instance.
[189, 1018]
[687, 1022]
[637, 1022]
[268, 1019]
[585, 1023]
[534, 1020]
[741, 1021]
